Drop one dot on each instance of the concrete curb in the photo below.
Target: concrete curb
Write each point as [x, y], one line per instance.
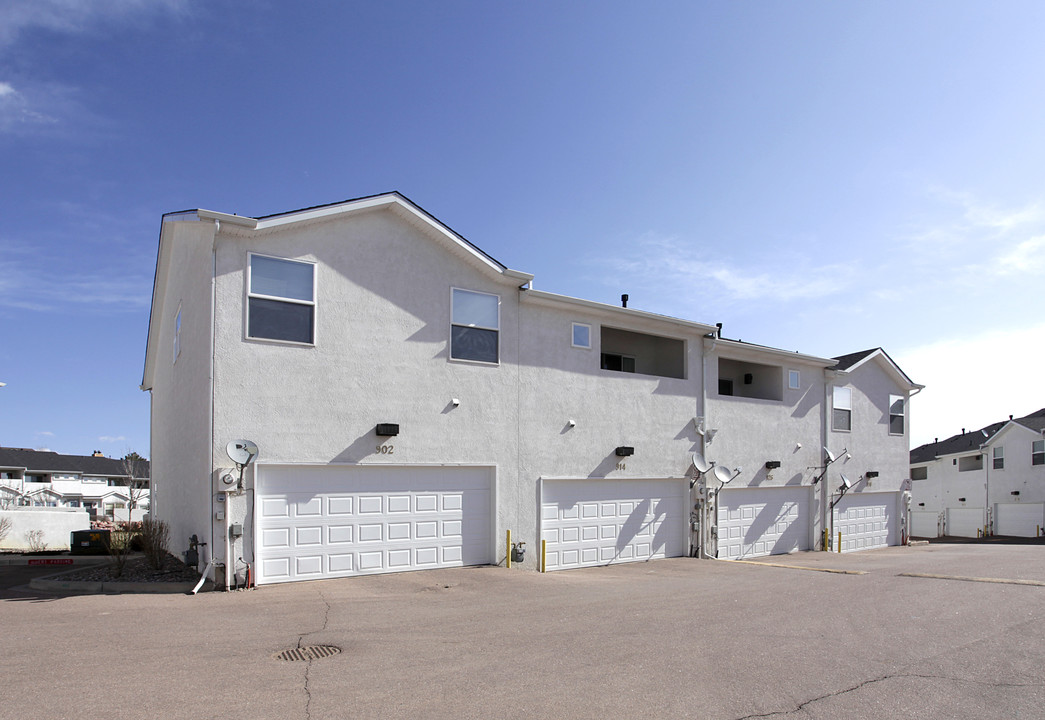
[113, 586]
[56, 560]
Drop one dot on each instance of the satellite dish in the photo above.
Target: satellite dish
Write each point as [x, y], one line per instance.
[701, 463]
[242, 452]
[830, 455]
[723, 475]
[846, 482]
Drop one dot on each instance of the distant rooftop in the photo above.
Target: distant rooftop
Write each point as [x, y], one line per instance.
[971, 440]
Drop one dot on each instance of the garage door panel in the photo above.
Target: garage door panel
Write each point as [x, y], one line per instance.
[867, 521]
[421, 517]
[1018, 519]
[755, 522]
[598, 522]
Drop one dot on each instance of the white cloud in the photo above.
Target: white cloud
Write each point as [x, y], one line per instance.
[75, 16]
[1026, 257]
[111, 439]
[46, 433]
[974, 380]
[674, 267]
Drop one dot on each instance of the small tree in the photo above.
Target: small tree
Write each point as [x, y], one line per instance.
[6, 524]
[136, 468]
[154, 536]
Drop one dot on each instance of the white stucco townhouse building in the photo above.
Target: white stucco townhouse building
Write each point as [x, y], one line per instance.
[988, 481]
[413, 401]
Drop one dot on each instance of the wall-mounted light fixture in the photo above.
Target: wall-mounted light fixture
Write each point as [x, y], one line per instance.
[921, 504]
[772, 464]
[624, 451]
[1015, 492]
[455, 401]
[571, 422]
[387, 429]
[961, 499]
[871, 474]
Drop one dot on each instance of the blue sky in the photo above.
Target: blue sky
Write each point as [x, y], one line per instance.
[818, 176]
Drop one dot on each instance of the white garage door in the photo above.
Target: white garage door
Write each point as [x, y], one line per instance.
[599, 522]
[964, 522]
[925, 524]
[867, 521]
[334, 521]
[1018, 519]
[753, 522]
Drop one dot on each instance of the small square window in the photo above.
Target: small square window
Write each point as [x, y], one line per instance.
[794, 380]
[581, 335]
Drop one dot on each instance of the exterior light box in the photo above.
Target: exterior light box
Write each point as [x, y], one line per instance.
[387, 429]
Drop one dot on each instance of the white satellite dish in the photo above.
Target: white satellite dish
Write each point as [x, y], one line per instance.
[846, 483]
[830, 455]
[723, 475]
[242, 452]
[701, 463]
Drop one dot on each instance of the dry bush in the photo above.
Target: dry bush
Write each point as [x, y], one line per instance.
[6, 524]
[154, 538]
[119, 550]
[35, 540]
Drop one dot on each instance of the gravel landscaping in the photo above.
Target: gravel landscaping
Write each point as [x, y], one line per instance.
[136, 570]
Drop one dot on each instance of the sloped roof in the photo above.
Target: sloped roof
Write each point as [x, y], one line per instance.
[854, 360]
[46, 461]
[972, 440]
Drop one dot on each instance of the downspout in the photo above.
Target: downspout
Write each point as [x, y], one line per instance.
[210, 400]
[824, 419]
[705, 506]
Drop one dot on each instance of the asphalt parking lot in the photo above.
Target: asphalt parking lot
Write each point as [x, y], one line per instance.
[676, 638]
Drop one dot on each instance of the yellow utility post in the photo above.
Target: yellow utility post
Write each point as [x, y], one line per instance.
[839, 541]
[544, 556]
[508, 550]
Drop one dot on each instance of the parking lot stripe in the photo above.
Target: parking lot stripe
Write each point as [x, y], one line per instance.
[800, 567]
[1004, 581]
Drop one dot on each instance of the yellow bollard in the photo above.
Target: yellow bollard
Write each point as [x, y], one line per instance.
[508, 551]
[544, 556]
[839, 541]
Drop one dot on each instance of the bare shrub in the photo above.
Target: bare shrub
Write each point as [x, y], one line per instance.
[119, 551]
[154, 538]
[35, 540]
[6, 524]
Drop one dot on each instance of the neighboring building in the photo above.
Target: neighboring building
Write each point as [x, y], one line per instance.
[105, 487]
[414, 400]
[989, 481]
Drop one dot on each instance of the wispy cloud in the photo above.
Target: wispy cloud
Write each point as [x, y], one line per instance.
[674, 266]
[76, 16]
[111, 439]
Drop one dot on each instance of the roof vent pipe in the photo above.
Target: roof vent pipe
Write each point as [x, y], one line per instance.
[624, 300]
[719, 326]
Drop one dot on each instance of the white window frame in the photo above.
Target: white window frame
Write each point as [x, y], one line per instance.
[892, 400]
[794, 380]
[177, 334]
[450, 347]
[1036, 453]
[573, 335]
[998, 458]
[278, 298]
[836, 406]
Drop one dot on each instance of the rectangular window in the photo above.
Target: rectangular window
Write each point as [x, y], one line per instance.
[281, 300]
[793, 380]
[897, 412]
[620, 363]
[1037, 453]
[920, 473]
[725, 387]
[581, 335]
[475, 324]
[177, 335]
[842, 409]
[999, 458]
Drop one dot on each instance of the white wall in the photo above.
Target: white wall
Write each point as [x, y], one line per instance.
[56, 524]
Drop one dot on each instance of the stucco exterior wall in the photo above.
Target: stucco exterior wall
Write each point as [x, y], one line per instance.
[748, 432]
[180, 434]
[55, 523]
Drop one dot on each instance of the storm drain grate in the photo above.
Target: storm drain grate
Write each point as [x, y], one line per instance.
[309, 652]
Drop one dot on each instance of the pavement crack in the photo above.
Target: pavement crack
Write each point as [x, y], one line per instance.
[308, 667]
[872, 681]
